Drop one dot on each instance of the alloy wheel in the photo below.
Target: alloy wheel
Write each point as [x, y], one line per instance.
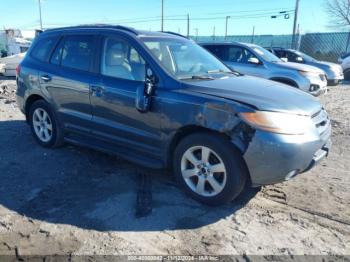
[203, 171]
[42, 125]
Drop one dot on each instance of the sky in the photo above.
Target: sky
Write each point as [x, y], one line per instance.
[145, 14]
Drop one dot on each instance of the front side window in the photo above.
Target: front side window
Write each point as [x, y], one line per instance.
[76, 53]
[43, 48]
[121, 60]
[239, 55]
[184, 59]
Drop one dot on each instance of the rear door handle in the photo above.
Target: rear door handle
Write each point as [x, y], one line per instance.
[46, 78]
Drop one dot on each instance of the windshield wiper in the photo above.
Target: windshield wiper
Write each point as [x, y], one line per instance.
[197, 77]
[225, 72]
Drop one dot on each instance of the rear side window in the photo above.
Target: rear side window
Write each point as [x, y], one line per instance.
[43, 48]
[76, 52]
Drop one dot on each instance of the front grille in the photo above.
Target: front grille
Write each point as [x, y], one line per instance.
[321, 121]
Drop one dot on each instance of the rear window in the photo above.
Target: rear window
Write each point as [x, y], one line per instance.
[42, 49]
[76, 52]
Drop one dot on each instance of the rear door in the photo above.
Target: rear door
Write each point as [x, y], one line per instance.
[67, 80]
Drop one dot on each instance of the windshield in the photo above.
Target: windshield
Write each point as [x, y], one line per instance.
[265, 54]
[185, 59]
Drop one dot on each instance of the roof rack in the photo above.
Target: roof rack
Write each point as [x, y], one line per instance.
[172, 33]
[119, 27]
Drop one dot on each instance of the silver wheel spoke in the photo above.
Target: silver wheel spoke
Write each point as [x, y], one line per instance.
[192, 158]
[49, 127]
[46, 132]
[218, 168]
[36, 123]
[45, 116]
[200, 185]
[37, 114]
[205, 154]
[214, 184]
[189, 173]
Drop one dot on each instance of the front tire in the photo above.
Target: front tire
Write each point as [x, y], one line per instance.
[209, 168]
[44, 125]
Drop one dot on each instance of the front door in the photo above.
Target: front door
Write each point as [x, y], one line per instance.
[115, 117]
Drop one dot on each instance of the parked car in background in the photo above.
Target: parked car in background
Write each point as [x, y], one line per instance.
[343, 56]
[334, 72]
[160, 100]
[254, 60]
[8, 64]
[345, 64]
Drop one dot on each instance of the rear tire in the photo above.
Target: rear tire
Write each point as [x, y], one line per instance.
[209, 168]
[44, 125]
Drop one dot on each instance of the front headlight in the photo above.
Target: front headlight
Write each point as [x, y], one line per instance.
[309, 74]
[282, 123]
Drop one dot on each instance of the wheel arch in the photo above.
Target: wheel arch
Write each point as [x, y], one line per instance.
[29, 102]
[285, 80]
[191, 129]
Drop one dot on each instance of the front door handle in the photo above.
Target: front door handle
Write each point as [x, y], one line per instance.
[46, 78]
[97, 90]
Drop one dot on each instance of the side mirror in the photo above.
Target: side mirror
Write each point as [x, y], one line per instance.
[299, 59]
[284, 59]
[253, 60]
[144, 93]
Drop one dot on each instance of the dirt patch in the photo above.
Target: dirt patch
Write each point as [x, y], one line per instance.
[75, 201]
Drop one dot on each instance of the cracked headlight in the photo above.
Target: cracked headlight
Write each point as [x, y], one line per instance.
[282, 123]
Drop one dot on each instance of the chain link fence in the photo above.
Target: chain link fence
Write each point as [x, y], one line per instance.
[322, 46]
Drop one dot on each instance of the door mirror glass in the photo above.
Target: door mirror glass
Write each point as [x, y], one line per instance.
[253, 60]
[299, 59]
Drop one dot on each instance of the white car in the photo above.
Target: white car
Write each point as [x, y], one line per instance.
[8, 64]
[345, 64]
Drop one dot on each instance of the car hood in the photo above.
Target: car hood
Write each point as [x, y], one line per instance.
[325, 65]
[259, 93]
[300, 67]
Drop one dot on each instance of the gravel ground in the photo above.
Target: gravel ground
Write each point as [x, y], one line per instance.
[81, 202]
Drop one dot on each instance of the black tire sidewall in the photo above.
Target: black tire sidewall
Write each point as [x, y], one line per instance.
[236, 172]
[45, 106]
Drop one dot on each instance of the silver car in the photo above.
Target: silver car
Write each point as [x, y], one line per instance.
[254, 60]
[334, 72]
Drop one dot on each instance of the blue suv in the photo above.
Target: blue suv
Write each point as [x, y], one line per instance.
[160, 100]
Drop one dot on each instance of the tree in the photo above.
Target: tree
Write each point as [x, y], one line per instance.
[339, 10]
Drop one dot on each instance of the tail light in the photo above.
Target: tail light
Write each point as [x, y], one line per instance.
[18, 70]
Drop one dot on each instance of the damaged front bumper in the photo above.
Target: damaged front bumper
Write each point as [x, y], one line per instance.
[273, 158]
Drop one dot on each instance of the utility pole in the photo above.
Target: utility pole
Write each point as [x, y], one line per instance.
[41, 21]
[214, 33]
[188, 26]
[253, 34]
[162, 25]
[296, 11]
[196, 30]
[227, 17]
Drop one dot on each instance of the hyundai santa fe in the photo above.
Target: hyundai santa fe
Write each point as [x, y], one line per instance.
[162, 101]
[255, 60]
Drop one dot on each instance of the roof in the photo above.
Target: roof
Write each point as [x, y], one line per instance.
[228, 43]
[129, 30]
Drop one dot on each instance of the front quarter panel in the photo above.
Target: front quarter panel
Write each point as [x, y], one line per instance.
[181, 109]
